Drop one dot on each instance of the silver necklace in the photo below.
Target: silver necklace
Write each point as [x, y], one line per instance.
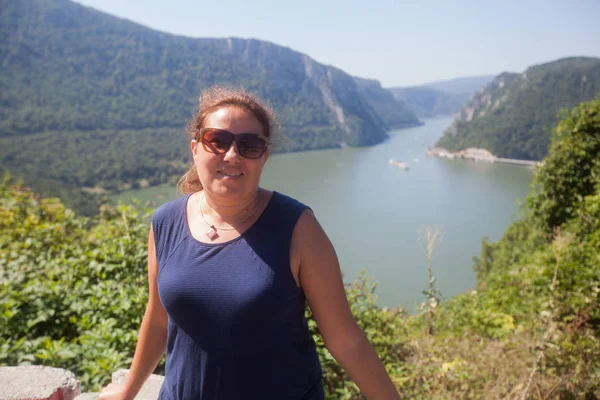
[212, 233]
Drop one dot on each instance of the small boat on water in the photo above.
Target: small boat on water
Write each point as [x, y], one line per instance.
[399, 164]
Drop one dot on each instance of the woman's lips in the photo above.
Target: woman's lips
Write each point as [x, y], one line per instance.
[230, 174]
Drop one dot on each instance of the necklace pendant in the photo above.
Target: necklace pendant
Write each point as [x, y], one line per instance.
[212, 233]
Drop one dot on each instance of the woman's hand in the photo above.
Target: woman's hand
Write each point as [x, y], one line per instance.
[114, 391]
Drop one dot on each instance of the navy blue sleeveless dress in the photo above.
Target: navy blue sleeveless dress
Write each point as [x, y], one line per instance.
[236, 316]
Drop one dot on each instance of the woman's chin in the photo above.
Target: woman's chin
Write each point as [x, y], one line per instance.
[228, 188]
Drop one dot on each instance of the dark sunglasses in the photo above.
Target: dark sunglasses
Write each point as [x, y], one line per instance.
[218, 141]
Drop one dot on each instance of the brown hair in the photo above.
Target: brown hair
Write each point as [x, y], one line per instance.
[212, 100]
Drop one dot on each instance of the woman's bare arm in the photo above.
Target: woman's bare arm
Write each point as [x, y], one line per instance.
[152, 337]
[321, 280]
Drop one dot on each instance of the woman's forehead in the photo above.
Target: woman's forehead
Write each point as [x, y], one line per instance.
[234, 119]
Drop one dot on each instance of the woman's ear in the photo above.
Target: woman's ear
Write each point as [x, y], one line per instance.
[194, 147]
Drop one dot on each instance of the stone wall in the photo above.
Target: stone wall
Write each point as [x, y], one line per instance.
[46, 383]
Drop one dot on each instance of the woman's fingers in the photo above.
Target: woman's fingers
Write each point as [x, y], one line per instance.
[114, 391]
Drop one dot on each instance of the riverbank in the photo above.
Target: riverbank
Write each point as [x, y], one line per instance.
[478, 155]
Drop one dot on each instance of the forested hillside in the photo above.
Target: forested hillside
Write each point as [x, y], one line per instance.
[73, 292]
[514, 115]
[90, 100]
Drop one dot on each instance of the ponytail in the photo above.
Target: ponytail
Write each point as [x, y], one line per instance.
[189, 182]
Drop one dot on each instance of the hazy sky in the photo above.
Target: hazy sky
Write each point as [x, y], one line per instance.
[400, 43]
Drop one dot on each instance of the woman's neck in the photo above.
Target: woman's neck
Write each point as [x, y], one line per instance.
[228, 211]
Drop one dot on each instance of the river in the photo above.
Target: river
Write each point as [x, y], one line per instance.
[373, 211]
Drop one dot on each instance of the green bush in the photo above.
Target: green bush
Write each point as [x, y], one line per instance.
[72, 290]
[571, 170]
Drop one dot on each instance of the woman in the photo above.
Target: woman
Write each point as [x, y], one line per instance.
[230, 268]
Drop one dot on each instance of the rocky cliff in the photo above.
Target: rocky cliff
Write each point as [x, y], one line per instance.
[394, 112]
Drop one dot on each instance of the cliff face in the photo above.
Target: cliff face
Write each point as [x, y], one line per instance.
[70, 68]
[295, 84]
[394, 112]
[513, 115]
[487, 99]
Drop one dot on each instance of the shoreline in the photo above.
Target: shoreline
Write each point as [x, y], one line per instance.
[478, 155]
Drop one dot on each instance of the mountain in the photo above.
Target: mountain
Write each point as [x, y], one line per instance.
[68, 67]
[394, 112]
[462, 85]
[91, 100]
[513, 115]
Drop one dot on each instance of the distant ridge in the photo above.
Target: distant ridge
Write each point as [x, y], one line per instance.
[440, 98]
[513, 115]
[461, 85]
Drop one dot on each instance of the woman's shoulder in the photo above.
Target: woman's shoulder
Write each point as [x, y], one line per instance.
[170, 209]
[287, 202]
[286, 209]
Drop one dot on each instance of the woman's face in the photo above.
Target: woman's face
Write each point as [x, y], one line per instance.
[229, 176]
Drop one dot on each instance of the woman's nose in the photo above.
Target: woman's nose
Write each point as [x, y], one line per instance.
[232, 153]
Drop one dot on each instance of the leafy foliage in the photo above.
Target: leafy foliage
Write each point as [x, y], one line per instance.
[514, 115]
[71, 295]
[543, 276]
[572, 169]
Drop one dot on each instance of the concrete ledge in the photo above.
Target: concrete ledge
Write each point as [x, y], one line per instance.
[151, 387]
[87, 396]
[37, 383]
[149, 391]
[45, 383]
